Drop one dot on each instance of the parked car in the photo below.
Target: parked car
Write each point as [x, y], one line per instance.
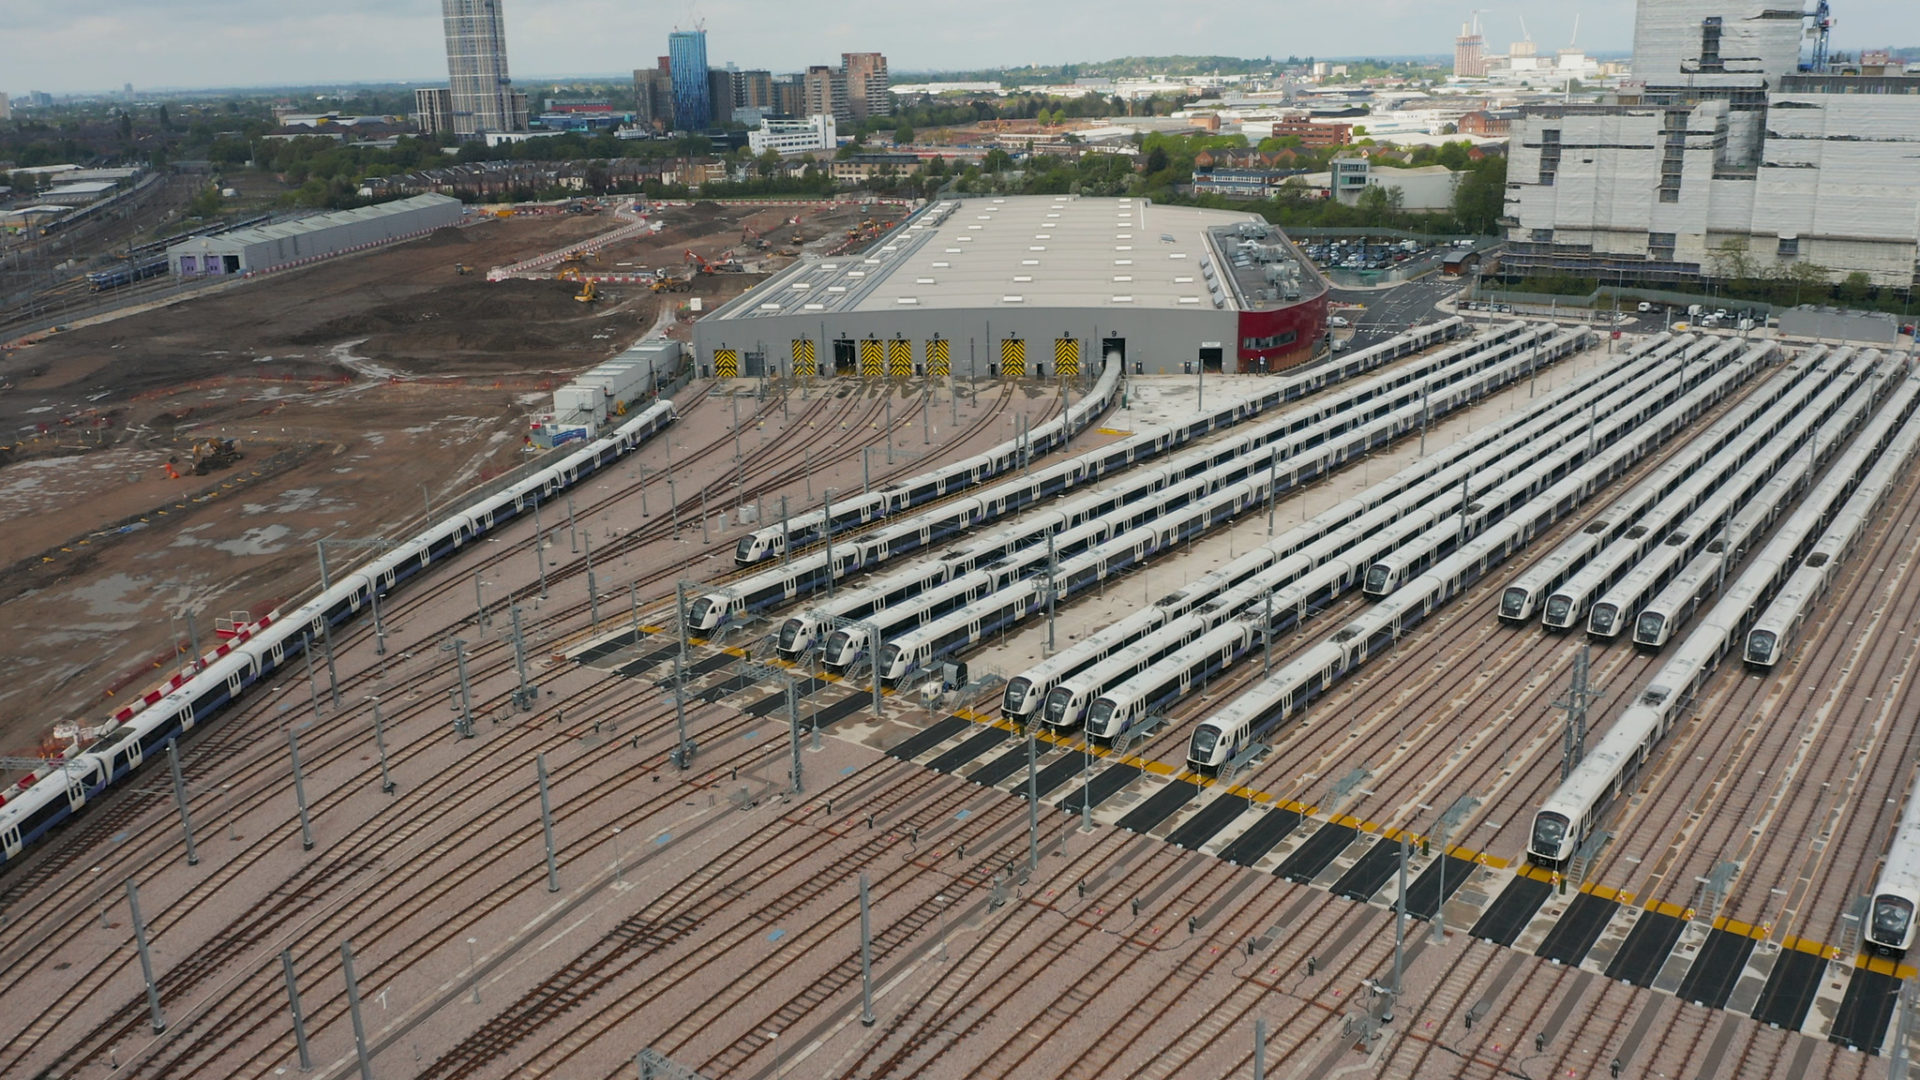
[1338, 322]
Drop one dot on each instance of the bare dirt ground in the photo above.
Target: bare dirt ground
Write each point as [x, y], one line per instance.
[360, 392]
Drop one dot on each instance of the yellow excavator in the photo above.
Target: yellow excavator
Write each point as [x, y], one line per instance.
[588, 292]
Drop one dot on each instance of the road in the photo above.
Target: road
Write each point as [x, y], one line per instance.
[1391, 311]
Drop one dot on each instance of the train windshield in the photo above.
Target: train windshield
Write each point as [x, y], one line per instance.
[837, 644]
[1558, 608]
[1512, 602]
[1377, 577]
[1102, 715]
[744, 553]
[1016, 693]
[1204, 740]
[1650, 625]
[1602, 618]
[789, 634]
[1549, 832]
[1760, 645]
[701, 611]
[1891, 917]
[1057, 704]
[890, 661]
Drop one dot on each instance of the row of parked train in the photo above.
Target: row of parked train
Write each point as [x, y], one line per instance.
[841, 550]
[1770, 592]
[1640, 415]
[52, 795]
[1645, 561]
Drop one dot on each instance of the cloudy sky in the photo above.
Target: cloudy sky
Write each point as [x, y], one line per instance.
[76, 46]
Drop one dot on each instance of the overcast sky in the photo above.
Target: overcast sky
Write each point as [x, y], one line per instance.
[77, 46]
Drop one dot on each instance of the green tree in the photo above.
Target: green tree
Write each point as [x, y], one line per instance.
[1479, 199]
[997, 161]
[1157, 160]
[903, 135]
[206, 203]
[1856, 287]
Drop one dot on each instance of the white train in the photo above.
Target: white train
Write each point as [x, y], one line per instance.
[1662, 616]
[772, 542]
[1679, 484]
[1571, 814]
[257, 650]
[1287, 692]
[1521, 599]
[1227, 461]
[1776, 630]
[1129, 705]
[1733, 477]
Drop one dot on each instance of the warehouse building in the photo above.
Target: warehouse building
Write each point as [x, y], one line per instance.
[1032, 287]
[269, 247]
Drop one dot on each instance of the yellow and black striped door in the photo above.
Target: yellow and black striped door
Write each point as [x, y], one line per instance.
[899, 358]
[870, 358]
[803, 357]
[726, 363]
[938, 364]
[1013, 358]
[1066, 357]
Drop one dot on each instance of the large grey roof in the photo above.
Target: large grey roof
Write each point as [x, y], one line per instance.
[1018, 252]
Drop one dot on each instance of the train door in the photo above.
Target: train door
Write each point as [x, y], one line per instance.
[76, 790]
[844, 356]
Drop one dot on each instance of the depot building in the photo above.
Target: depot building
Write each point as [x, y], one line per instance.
[1034, 286]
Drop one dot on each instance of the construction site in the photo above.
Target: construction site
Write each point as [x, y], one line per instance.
[171, 465]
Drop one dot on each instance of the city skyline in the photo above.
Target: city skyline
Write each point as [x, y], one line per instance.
[94, 46]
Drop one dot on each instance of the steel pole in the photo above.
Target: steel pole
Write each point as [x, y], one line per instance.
[539, 544]
[158, 1021]
[573, 531]
[465, 724]
[1399, 932]
[546, 822]
[793, 724]
[180, 799]
[300, 793]
[1033, 807]
[1260, 1049]
[353, 1010]
[380, 744]
[889, 425]
[873, 661]
[866, 957]
[827, 524]
[683, 755]
[380, 631]
[593, 586]
[299, 1018]
[333, 676]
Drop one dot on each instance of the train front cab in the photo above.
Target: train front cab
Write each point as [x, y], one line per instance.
[1890, 924]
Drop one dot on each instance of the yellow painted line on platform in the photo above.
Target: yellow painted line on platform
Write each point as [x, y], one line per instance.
[1881, 965]
[1114, 432]
[1672, 911]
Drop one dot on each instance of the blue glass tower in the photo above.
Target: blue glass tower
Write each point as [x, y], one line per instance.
[687, 57]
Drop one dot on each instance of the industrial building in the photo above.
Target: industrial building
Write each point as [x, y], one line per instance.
[1727, 160]
[268, 247]
[794, 136]
[1032, 286]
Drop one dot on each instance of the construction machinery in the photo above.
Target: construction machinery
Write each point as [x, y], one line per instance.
[700, 263]
[750, 235]
[667, 283]
[589, 292]
[213, 454]
[462, 269]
